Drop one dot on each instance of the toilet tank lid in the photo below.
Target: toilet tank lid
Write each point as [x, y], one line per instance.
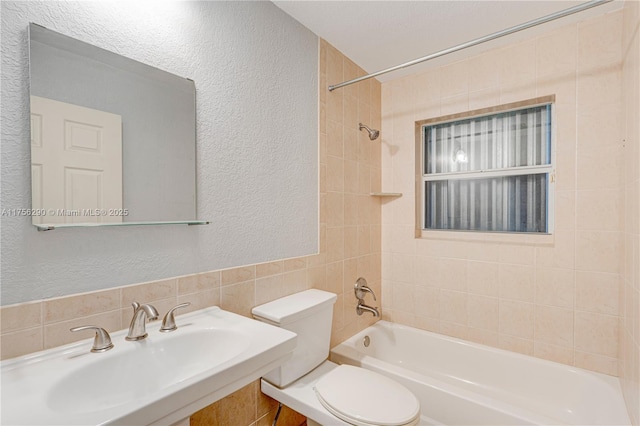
[292, 308]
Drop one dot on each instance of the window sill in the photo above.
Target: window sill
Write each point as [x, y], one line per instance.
[386, 194]
[488, 237]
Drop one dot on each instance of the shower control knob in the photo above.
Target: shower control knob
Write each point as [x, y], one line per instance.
[361, 288]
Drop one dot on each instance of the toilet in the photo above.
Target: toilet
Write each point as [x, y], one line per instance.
[326, 393]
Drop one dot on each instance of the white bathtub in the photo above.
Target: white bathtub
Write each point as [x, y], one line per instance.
[463, 383]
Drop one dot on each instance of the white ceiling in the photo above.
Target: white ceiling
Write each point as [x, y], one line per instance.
[381, 34]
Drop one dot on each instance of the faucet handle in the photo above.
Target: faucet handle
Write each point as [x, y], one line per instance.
[169, 321]
[102, 341]
[361, 288]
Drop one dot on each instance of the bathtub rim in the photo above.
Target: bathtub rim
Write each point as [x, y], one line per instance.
[348, 349]
[610, 380]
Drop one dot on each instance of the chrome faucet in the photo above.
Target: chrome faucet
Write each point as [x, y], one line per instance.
[169, 320]
[137, 329]
[362, 308]
[360, 289]
[101, 342]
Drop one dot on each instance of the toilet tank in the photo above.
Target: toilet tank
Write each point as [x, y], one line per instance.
[309, 315]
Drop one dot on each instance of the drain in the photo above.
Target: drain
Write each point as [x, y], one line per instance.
[367, 341]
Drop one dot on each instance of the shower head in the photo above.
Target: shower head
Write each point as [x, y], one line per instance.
[373, 133]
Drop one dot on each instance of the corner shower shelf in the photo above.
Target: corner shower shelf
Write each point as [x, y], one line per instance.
[386, 194]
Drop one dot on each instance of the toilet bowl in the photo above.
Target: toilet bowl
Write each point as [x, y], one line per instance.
[327, 393]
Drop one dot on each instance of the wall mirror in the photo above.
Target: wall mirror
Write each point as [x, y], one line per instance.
[113, 141]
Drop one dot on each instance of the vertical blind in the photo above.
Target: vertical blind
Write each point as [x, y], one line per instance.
[489, 173]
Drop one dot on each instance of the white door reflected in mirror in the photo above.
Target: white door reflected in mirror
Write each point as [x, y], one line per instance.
[76, 163]
[153, 179]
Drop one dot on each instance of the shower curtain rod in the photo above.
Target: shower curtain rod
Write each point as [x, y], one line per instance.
[511, 30]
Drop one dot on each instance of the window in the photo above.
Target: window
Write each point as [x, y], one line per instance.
[488, 170]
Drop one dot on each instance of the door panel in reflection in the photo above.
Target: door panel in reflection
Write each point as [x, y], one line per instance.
[76, 162]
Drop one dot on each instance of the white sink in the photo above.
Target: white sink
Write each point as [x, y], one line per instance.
[151, 366]
[161, 379]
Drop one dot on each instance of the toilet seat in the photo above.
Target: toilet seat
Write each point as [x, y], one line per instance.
[364, 398]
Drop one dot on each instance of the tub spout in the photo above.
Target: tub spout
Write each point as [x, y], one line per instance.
[366, 308]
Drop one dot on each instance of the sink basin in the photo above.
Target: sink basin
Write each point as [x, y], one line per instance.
[133, 375]
[161, 379]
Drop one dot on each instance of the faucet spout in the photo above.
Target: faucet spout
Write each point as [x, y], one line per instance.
[366, 308]
[137, 328]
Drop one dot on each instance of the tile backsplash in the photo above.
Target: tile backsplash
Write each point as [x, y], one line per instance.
[34, 326]
[45, 324]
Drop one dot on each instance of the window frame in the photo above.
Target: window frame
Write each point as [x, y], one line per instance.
[548, 169]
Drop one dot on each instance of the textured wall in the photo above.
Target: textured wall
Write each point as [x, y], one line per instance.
[256, 74]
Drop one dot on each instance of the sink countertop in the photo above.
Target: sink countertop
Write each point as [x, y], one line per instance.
[161, 379]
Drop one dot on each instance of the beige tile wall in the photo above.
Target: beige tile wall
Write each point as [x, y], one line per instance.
[629, 342]
[555, 297]
[350, 234]
[350, 169]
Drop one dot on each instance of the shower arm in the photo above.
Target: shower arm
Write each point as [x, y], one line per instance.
[373, 133]
[493, 36]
